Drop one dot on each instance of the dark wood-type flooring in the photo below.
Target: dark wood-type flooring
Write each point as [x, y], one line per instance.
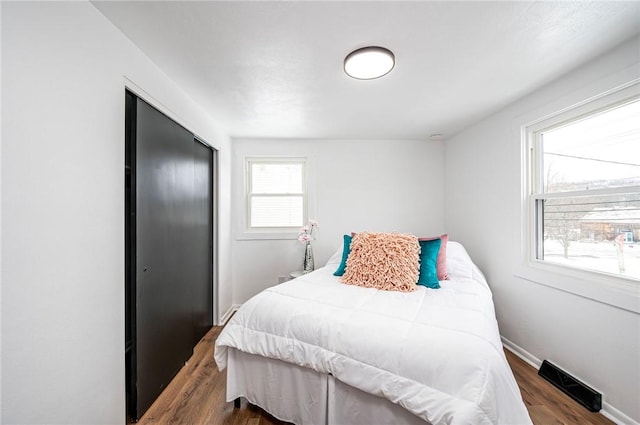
[196, 396]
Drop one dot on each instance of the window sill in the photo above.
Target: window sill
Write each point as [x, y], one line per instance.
[616, 291]
[250, 236]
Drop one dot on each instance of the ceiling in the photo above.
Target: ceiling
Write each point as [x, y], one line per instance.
[273, 69]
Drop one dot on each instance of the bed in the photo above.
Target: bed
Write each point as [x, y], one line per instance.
[317, 351]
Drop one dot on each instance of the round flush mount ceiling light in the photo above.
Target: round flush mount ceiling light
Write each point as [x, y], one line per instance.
[368, 63]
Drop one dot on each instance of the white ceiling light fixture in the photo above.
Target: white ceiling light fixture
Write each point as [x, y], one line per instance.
[369, 63]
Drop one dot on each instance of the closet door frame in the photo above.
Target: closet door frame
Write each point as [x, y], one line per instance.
[130, 241]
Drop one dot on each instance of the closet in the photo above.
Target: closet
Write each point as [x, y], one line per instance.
[168, 249]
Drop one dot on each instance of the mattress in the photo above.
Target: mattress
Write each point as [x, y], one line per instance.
[436, 353]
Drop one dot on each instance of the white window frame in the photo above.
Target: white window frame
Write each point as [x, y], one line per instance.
[291, 232]
[611, 289]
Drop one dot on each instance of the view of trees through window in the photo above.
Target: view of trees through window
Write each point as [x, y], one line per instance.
[589, 208]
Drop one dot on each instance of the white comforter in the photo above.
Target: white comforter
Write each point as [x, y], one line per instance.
[437, 353]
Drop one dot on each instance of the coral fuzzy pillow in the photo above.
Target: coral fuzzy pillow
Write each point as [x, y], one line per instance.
[387, 261]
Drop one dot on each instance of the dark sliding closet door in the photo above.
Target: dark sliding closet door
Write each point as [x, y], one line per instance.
[202, 252]
[170, 252]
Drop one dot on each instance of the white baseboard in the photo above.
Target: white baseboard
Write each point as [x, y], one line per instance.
[613, 414]
[529, 358]
[227, 314]
[608, 411]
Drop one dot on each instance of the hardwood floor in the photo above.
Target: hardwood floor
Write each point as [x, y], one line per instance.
[548, 405]
[196, 396]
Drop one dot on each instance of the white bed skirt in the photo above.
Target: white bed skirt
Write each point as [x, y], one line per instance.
[303, 396]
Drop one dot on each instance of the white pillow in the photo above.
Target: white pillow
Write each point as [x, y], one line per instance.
[336, 258]
[459, 264]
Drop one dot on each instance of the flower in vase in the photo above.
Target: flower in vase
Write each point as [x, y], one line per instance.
[305, 234]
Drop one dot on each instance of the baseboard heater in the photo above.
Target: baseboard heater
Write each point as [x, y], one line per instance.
[575, 389]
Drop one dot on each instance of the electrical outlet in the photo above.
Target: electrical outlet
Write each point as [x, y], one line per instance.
[282, 279]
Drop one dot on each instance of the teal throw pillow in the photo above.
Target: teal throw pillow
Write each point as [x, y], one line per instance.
[346, 249]
[428, 263]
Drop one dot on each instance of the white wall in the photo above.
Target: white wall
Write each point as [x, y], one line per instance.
[373, 185]
[598, 343]
[64, 70]
[0, 213]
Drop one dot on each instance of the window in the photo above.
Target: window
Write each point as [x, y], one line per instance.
[584, 186]
[276, 194]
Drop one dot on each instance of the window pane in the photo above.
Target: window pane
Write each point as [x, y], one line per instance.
[276, 211]
[600, 151]
[276, 178]
[599, 233]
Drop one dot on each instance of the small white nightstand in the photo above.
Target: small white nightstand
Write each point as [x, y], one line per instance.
[295, 274]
